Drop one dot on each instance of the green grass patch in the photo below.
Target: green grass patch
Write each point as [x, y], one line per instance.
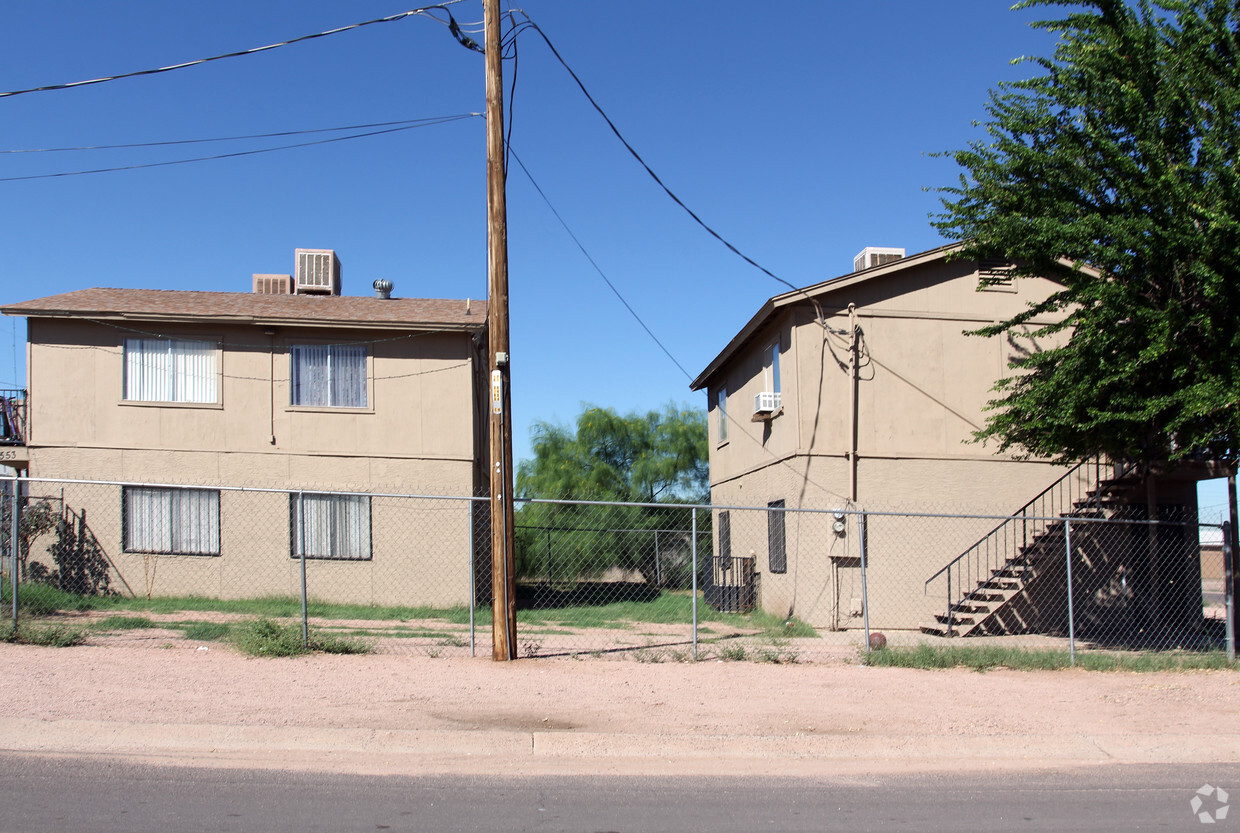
[667, 607]
[670, 607]
[123, 623]
[41, 599]
[991, 657]
[46, 599]
[265, 638]
[50, 636]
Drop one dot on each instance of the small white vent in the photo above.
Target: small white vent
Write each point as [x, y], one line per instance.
[318, 271]
[766, 403]
[872, 256]
[273, 284]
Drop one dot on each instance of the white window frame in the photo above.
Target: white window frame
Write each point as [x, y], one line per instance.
[170, 521]
[770, 368]
[721, 413]
[320, 376]
[338, 526]
[174, 370]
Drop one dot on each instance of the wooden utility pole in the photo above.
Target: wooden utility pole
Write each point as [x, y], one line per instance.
[503, 572]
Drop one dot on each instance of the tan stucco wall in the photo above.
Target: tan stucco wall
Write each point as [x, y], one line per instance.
[422, 432]
[419, 551]
[922, 388]
[421, 407]
[923, 385]
[823, 576]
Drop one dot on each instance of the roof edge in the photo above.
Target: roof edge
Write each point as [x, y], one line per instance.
[809, 293]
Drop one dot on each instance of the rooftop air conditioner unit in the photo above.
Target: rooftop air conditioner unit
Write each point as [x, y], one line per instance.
[765, 404]
[273, 284]
[872, 256]
[318, 272]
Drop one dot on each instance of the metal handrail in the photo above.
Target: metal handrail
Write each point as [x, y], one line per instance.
[1064, 501]
[12, 417]
[1020, 514]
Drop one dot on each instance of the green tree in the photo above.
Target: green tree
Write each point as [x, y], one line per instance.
[1116, 171]
[656, 457]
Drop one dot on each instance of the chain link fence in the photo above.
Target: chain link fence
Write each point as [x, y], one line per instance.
[650, 582]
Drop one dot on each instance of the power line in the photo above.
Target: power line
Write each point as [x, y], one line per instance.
[649, 170]
[279, 134]
[254, 51]
[597, 268]
[239, 153]
[732, 420]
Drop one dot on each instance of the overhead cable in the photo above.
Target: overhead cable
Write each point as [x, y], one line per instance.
[597, 268]
[432, 119]
[254, 51]
[649, 170]
[239, 153]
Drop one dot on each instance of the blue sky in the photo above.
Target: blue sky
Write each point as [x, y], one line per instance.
[801, 131]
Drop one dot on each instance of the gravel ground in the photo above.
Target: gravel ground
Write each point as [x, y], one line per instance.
[180, 698]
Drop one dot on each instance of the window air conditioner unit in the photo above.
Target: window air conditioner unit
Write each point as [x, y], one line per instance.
[318, 271]
[766, 404]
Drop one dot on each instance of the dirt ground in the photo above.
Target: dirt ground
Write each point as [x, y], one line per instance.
[204, 704]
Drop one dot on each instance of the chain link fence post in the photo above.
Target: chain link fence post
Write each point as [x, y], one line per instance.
[862, 544]
[1067, 537]
[1229, 579]
[301, 549]
[473, 580]
[693, 535]
[14, 545]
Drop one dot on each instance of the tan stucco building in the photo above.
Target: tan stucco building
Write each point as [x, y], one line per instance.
[337, 397]
[863, 392]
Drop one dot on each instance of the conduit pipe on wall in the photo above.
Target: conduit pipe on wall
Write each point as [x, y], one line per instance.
[271, 380]
[854, 361]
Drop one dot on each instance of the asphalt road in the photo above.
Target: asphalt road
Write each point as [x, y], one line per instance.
[69, 795]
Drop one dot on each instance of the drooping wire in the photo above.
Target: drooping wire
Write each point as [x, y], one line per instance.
[433, 119]
[239, 153]
[512, 100]
[648, 169]
[783, 462]
[254, 51]
[819, 315]
[597, 268]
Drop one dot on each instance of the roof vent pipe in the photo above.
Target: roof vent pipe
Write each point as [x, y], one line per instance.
[383, 289]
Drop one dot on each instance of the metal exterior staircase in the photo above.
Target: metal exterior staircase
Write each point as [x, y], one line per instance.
[983, 579]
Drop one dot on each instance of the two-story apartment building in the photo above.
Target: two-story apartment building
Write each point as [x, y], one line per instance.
[318, 401]
[864, 392]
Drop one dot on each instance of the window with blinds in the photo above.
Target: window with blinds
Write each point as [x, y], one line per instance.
[330, 526]
[171, 370]
[170, 521]
[329, 375]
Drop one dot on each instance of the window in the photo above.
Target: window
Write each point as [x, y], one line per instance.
[725, 535]
[171, 521]
[329, 375]
[335, 526]
[721, 413]
[171, 370]
[777, 553]
[770, 370]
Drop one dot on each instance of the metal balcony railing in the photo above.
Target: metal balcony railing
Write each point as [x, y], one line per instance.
[12, 417]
